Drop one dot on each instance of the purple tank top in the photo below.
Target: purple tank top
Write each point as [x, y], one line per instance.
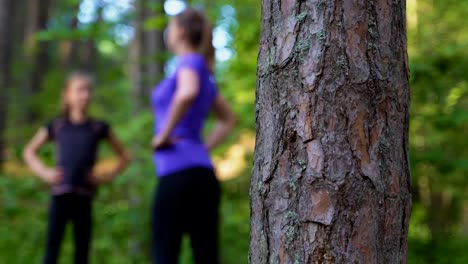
[189, 151]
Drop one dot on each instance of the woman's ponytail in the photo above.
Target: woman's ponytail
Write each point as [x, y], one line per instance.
[207, 48]
[199, 33]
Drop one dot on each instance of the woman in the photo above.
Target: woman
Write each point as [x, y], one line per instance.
[187, 198]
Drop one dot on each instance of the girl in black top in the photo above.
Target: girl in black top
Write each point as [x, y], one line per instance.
[73, 181]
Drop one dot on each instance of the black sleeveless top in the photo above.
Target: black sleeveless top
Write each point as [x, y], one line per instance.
[76, 152]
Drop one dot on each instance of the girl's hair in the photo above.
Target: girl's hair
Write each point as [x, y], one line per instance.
[199, 32]
[76, 75]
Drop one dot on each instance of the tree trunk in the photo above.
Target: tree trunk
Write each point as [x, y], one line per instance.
[38, 16]
[36, 52]
[154, 46]
[88, 52]
[331, 181]
[6, 41]
[147, 52]
[147, 67]
[137, 50]
[68, 51]
[19, 27]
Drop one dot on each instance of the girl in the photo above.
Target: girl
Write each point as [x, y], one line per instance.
[187, 198]
[73, 182]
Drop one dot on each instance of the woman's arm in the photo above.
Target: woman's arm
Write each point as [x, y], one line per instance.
[49, 175]
[121, 165]
[225, 122]
[188, 86]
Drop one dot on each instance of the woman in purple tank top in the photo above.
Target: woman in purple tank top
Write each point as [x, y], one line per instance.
[187, 198]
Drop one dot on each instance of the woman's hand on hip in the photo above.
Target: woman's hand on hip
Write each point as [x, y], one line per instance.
[161, 141]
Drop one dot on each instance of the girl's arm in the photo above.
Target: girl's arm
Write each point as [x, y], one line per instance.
[187, 90]
[122, 164]
[122, 154]
[49, 175]
[225, 122]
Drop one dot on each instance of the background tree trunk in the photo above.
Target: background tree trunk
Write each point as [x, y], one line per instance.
[147, 57]
[137, 51]
[147, 51]
[19, 26]
[154, 45]
[88, 55]
[6, 42]
[331, 181]
[35, 52]
[69, 48]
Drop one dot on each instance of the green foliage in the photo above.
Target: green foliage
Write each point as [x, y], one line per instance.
[120, 224]
[238, 79]
[439, 115]
[157, 22]
[439, 121]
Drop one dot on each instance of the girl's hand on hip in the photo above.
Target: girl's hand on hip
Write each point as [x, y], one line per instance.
[97, 178]
[53, 176]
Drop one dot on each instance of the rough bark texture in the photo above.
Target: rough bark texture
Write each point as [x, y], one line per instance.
[331, 180]
[6, 25]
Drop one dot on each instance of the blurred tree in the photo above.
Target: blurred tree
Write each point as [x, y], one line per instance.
[88, 56]
[35, 51]
[68, 53]
[154, 41]
[19, 26]
[147, 60]
[137, 52]
[331, 180]
[147, 49]
[7, 8]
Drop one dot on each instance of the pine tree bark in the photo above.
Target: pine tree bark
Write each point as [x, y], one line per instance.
[7, 8]
[331, 181]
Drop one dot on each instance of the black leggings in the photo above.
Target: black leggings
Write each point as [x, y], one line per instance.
[77, 209]
[186, 202]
